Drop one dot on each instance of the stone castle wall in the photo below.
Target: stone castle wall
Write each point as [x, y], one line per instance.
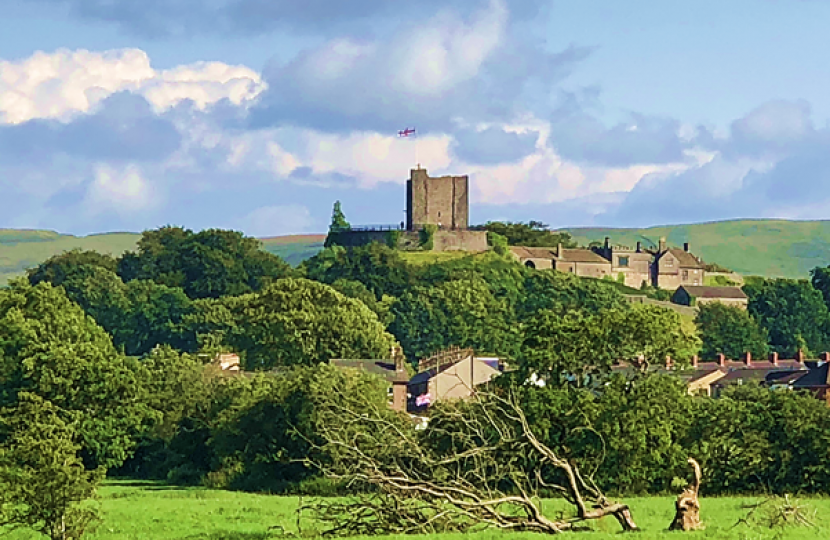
[442, 240]
[442, 200]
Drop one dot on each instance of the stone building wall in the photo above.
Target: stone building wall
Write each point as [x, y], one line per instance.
[442, 201]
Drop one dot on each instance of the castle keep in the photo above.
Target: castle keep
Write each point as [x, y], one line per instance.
[442, 201]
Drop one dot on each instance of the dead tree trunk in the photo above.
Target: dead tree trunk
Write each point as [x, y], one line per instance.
[687, 506]
[475, 479]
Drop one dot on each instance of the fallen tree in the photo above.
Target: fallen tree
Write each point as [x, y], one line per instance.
[487, 472]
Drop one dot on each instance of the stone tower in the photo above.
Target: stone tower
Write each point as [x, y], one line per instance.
[441, 201]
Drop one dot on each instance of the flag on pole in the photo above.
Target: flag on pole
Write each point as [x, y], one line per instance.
[423, 399]
[406, 132]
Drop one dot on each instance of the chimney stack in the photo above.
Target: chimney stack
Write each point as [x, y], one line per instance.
[639, 246]
[721, 360]
[662, 244]
[686, 247]
[559, 249]
[695, 361]
[824, 357]
[748, 358]
[799, 356]
[773, 358]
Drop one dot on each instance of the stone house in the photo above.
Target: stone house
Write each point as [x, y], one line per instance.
[582, 262]
[674, 267]
[667, 268]
[691, 295]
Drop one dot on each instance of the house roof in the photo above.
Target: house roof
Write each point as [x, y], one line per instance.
[684, 258]
[702, 291]
[384, 368]
[581, 255]
[524, 252]
[815, 378]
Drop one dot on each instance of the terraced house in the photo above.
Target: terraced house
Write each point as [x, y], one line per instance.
[664, 267]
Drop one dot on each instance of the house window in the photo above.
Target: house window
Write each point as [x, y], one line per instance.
[685, 274]
[669, 262]
[622, 261]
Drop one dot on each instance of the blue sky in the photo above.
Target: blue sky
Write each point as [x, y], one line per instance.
[258, 114]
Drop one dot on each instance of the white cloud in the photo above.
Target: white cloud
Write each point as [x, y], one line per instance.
[64, 83]
[119, 191]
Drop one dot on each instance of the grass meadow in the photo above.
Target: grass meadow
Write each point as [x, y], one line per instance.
[136, 511]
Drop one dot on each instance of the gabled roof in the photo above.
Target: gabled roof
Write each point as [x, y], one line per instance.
[581, 255]
[703, 291]
[685, 259]
[533, 252]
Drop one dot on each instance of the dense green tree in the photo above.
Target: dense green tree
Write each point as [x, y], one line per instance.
[380, 268]
[729, 330]
[138, 315]
[51, 348]
[43, 483]
[460, 312]
[792, 312]
[208, 264]
[298, 321]
[359, 291]
[820, 278]
[561, 292]
[532, 233]
[58, 268]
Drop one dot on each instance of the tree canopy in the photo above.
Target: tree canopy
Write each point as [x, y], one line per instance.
[729, 330]
[532, 234]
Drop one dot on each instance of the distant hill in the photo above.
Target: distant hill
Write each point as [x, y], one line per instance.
[22, 249]
[771, 248]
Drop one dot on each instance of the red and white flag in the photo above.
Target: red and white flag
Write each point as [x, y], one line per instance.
[423, 400]
[406, 132]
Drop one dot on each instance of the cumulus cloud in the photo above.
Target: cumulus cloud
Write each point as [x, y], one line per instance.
[493, 145]
[447, 69]
[118, 191]
[64, 83]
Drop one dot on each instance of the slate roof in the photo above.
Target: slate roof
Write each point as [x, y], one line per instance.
[384, 368]
[581, 255]
[815, 378]
[533, 252]
[702, 291]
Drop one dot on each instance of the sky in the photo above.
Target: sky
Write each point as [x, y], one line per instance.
[256, 115]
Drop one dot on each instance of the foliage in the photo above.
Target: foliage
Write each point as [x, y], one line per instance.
[426, 237]
[381, 269]
[793, 313]
[497, 242]
[531, 234]
[298, 321]
[50, 348]
[58, 268]
[208, 264]
[820, 279]
[462, 312]
[44, 482]
[729, 330]
[358, 291]
[338, 219]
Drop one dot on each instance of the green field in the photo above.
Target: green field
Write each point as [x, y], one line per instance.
[146, 511]
[772, 248]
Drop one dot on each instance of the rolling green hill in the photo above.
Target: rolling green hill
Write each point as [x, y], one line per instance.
[772, 248]
[22, 249]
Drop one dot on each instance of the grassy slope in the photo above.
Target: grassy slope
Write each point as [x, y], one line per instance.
[161, 512]
[22, 249]
[773, 248]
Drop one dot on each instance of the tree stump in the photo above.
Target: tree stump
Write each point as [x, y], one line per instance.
[687, 506]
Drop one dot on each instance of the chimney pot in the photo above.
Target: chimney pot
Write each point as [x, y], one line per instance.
[686, 247]
[799, 356]
[639, 246]
[559, 249]
[773, 358]
[695, 361]
[721, 360]
[662, 244]
[748, 358]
